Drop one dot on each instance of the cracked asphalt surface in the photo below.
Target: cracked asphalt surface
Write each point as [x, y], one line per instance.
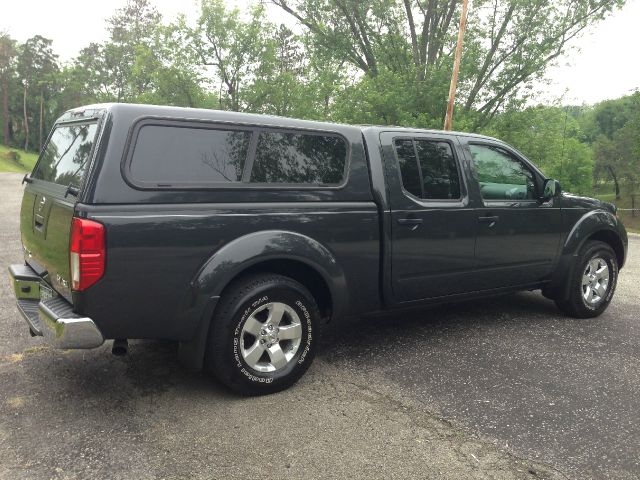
[503, 388]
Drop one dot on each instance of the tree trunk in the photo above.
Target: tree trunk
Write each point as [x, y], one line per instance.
[5, 111]
[41, 121]
[26, 118]
[615, 181]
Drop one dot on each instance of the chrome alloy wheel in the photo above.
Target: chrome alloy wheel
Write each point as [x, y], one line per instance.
[270, 337]
[595, 280]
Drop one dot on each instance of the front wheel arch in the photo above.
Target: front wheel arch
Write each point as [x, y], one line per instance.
[557, 288]
[613, 240]
[573, 303]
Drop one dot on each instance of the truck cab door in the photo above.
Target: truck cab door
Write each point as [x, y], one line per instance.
[433, 225]
[518, 234]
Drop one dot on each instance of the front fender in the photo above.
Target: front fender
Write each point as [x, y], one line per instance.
[244, 252]
[590, 223]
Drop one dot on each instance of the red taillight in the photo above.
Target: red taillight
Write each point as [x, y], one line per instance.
[87, 253]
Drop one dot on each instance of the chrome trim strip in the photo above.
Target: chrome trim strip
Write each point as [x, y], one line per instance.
[270, 214]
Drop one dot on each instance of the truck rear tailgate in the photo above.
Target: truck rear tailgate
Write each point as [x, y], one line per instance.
[49, 199]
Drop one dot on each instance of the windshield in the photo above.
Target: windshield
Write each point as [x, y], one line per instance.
[66, 156]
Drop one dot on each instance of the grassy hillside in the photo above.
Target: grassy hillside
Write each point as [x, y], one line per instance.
[24, 164]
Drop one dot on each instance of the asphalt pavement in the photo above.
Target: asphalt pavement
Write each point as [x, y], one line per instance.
[503, 388]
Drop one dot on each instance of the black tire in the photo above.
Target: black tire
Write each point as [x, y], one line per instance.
[243, 297]
[575, 304]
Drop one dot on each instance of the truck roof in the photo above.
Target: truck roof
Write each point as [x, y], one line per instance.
[392, 128]
[88, 111]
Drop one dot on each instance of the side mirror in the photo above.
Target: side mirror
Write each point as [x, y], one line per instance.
[551, 189]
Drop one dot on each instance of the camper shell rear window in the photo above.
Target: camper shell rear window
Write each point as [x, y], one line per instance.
[66, 156]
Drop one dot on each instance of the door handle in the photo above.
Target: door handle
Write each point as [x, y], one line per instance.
[490, 219]
[410, 221]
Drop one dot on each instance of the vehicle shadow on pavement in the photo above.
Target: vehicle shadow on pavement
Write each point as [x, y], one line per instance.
[522, 308]
[151, 367]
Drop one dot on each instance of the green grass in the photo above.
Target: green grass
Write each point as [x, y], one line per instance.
[25, 164]
[630, 222]
[607, 197]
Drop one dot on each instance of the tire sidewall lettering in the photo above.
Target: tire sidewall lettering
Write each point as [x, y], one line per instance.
[306, 317]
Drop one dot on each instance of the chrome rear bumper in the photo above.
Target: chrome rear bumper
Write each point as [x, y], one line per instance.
[53, 318]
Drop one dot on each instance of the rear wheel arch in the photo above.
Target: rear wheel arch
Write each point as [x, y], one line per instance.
[274, 251]
[297, 270]
[313, 266]
[245, 347]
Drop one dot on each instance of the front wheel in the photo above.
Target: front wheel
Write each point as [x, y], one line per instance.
[264, 334]
[593, 282]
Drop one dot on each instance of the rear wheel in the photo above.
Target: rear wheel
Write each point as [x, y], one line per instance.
[263, 335]
[593, 281]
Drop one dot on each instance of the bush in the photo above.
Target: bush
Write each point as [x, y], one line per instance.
[11, 155]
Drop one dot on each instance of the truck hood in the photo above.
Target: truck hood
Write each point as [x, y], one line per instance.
[577, 201]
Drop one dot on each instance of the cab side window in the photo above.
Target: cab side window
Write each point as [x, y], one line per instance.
[501, 175]
[440, 178]
[428, 169]
[408, 164]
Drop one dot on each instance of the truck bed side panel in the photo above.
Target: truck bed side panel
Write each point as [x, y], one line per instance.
[154, 253]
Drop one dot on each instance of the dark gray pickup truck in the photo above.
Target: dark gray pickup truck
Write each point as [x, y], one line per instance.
[240, 235]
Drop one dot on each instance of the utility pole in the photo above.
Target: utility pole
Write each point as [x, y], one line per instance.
[448, 120]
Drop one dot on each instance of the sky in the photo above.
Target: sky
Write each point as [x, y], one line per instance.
[602, 65]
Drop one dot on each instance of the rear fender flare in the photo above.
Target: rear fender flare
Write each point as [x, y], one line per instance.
[244, 252]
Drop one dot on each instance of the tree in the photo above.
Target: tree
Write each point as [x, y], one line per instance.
[613, 128]
[552, 139]
[608, 158]
[282, 83]
[609, 116]
[111, 71]
[229, 44]
[37, 66]
[355, 30]
[509, 43]
[89, 78]
[7, 56]
[628, 142]
[174, 77]
[133, 29]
